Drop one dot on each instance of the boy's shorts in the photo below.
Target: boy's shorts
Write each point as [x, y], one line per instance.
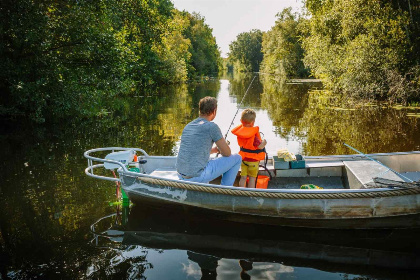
[250, 168]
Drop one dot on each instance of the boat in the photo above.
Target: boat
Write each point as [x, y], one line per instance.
[372, 191]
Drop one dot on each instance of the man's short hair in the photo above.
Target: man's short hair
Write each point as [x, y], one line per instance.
[248, 116]
[207, 105]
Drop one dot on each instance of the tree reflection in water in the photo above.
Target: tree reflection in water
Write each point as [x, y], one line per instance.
[47, 203]
[322, 122]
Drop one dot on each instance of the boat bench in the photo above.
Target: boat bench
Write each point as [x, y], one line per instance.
[360, 173]
[314, 169]
[167, 173]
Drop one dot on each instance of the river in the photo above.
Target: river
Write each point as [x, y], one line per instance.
[57, 223]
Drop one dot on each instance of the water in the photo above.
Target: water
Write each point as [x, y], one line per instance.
[48, 204]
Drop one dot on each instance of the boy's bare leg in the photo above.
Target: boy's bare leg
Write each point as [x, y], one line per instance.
[251, 183]
[242, 181]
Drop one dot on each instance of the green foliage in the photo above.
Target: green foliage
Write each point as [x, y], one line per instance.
[365, 49]
[51, 55]
[205, 54]
[245, 52]
[227, 66]
[60, 59]
[140, 27]
[322, 120]
[282, 48]
[174, 50]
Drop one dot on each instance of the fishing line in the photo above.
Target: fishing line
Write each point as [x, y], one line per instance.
[240, 104]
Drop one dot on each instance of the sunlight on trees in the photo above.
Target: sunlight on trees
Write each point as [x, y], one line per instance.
[245, 52]
[62, 59]
[282, 48]
[365, 49]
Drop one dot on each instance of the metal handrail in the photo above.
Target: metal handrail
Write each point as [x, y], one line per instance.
[89, 170]
[91, 174]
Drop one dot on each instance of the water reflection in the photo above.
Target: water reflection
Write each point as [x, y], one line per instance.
[320, 122]
[47, 203]
[373, 129]
[203, 248]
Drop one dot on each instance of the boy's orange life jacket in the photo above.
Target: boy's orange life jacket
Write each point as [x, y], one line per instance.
[246, 136]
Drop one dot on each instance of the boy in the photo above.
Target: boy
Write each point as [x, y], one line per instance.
[251, 147]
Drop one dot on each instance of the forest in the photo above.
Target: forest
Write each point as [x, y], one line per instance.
[60, 59]
[360, 49]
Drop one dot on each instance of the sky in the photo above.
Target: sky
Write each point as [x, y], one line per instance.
[229, 18]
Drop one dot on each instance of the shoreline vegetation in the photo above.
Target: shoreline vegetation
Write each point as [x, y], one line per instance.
[61, 59]
[361, 50]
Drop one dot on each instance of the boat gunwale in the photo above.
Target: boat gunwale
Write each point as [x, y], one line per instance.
[361, 156]
[123, 171]
[287, 191]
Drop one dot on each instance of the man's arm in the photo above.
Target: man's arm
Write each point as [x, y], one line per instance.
[223, 147]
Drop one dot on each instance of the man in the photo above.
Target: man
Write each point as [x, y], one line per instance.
[196, 146]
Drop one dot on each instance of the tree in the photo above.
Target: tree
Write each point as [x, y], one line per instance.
[245, 51]
[282, 49]
[174, 50]
[366, 49]
[205, 54]
[60, 59]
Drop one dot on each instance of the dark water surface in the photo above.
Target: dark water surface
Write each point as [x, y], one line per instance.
[48, 204]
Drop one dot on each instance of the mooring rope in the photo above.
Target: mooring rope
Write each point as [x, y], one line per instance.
[283, 195]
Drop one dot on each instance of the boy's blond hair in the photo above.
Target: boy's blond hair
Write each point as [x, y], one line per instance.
[248, 116]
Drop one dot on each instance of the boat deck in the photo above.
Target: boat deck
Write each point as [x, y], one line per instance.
[327, 174]
[334, 182]
[326, 182]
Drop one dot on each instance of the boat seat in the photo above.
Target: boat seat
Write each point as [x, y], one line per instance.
[167, 173]
[360, 173]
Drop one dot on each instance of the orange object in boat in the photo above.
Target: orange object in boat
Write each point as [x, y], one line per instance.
[262, 181]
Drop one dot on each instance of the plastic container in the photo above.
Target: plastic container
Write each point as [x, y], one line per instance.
[299, 163]
[125, 199]
[125, 157]
[280, 163]
[262, 181]
[134, 169]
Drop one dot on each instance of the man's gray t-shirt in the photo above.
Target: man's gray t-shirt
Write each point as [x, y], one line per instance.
[196, 142]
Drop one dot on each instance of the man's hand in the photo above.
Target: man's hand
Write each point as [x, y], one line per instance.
[223, 147]
[214, 150]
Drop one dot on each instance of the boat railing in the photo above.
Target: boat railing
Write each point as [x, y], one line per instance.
[92, 161]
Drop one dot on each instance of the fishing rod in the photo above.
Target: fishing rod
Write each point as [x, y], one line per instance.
[399, 174]
[240, 104]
